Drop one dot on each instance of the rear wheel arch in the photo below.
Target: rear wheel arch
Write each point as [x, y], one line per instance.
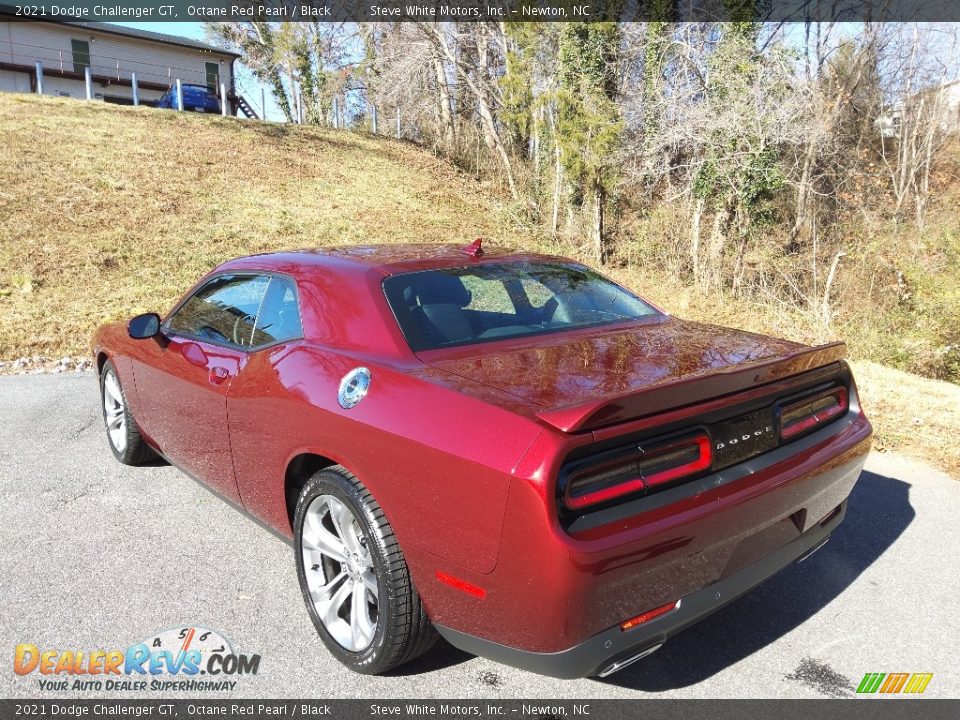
[299, 470]
[102, 358]
[307, 463]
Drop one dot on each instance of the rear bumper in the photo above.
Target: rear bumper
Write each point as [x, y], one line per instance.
[614, 649]
[556, 593]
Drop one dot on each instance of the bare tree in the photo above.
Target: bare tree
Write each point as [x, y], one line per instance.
[917, 123]
[477, 78]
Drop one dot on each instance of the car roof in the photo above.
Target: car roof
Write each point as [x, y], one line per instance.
[391, 259]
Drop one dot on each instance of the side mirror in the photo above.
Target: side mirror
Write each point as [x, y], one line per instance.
[144, 326]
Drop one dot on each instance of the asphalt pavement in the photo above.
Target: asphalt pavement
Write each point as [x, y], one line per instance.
[96, 555]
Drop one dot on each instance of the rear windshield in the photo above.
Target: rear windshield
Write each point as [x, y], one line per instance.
[478, 303]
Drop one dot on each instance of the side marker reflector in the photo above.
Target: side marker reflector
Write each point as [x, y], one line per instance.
[649, 615]
[455, 582]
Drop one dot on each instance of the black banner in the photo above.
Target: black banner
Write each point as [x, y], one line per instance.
[864, 709]
[486, 10]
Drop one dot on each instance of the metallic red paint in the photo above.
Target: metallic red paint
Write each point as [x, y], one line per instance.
[462, 447]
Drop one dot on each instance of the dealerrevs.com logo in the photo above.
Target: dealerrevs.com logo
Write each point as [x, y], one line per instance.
[183, 658]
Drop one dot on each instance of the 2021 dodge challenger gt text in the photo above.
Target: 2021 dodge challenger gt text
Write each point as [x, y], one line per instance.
[501, 447]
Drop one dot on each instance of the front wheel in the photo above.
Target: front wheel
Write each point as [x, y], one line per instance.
[354, 578]
[123, 433]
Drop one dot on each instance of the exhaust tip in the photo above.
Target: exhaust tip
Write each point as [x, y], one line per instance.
[621, 664]
[810, 552]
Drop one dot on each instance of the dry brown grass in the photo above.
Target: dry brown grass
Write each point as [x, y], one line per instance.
[107, 211]
[912, 414]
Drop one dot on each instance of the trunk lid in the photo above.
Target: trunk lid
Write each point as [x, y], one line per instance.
[589, 379]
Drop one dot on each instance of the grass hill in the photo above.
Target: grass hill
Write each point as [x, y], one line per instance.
[105, 210]
[108, 211]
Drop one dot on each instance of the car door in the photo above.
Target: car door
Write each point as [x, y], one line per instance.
[182, 383]
[263, 401]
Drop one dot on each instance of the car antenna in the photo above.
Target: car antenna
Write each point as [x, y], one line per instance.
[475, 249]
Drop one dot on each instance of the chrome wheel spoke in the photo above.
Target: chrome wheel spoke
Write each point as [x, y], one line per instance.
[370, 583]
[112, 388]
[343, 521]
[361, 625]
[317, 537]
[329, 606]
[114, 412]
[324, 593]
[352, 539]
[327, 544]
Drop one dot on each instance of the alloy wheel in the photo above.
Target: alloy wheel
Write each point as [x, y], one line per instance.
[114, 412]
[340, 574]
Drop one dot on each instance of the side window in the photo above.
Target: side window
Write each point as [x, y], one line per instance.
[224, 310]
[279, 317]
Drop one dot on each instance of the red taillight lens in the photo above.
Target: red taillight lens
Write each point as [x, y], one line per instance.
[813, 411]
[647, 467]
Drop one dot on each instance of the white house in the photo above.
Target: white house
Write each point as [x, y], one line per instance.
[113, 53]
[943, 100]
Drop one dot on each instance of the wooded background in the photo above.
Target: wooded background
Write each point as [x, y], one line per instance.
[802, 169]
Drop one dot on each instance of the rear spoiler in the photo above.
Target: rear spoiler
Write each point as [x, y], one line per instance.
[689, 389]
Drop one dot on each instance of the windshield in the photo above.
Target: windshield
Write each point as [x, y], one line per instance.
[477, 303]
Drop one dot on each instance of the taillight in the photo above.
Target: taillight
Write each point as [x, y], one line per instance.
[646, 467]
[813, 411]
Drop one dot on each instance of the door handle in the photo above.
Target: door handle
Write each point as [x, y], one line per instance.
[218, 374]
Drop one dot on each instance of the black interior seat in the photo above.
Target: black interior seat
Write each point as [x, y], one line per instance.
[441, 299]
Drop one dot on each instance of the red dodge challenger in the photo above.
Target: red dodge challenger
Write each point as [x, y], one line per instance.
[504, 448]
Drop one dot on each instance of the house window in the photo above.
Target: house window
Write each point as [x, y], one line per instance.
[213, 77]
[81, 55]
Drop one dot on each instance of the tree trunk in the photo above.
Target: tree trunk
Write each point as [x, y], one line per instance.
[803, 198]
[695, 240]
[558, 173]
[598, 231]
[717, 242]
[490, 131]
[444, 104]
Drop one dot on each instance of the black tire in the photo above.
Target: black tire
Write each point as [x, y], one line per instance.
[135, 450]
[403, 630]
